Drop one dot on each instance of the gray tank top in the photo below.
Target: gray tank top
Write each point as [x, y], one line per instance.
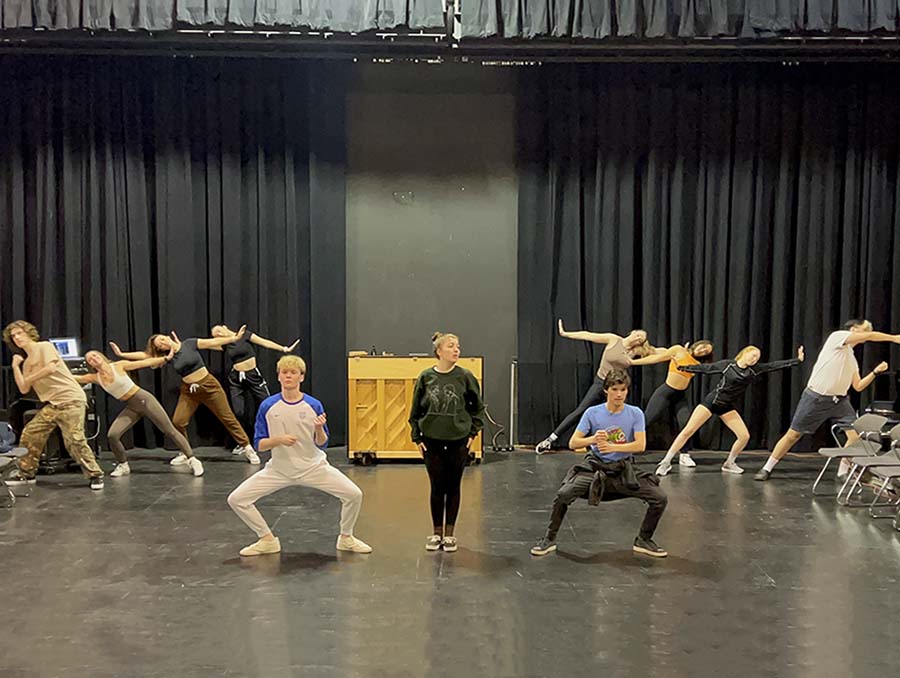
[614, 357]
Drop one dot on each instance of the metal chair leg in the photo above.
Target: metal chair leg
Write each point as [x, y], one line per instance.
[819, 479]
[855, 488]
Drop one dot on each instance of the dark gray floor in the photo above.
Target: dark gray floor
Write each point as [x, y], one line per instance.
[143, 579]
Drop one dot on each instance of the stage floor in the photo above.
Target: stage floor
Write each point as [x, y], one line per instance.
[143, 579]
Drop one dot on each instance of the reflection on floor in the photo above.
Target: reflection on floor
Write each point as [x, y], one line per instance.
[143, 579]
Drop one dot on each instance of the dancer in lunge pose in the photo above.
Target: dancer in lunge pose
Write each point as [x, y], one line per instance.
[445, 417]
[293, 425]
[198, 386]
[44, 371]
[670, 398]
[723, 401]
[246, 384]
[825, 397]
[619, 353]
[113, 378]
[613, 432]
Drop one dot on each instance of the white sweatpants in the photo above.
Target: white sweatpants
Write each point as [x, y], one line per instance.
[268, 480]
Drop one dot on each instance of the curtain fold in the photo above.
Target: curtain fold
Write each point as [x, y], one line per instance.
[170, 194]
[748, 205]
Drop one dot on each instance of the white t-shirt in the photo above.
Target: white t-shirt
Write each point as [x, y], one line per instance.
[276, 417]
[835, 367]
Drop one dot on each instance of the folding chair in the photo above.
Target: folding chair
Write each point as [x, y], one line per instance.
[885, 466]
[7, 498]
[868, 427]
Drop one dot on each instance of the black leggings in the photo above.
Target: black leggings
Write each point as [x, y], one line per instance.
[594, 396]
[667, 401]
[445, 461]
[248, 390]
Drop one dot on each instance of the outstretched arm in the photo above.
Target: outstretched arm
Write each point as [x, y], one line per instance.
[761, 368]
[709, 368]
[862, 337]
[216, 342]
[132, 365]
[268, 343]
[582, 335]
[85, 378]
[862, 383]
[128, 355]
[659, 356]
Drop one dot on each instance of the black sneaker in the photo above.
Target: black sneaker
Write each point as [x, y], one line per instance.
[97, 483]
[649, 548]
[19, 478]
[762, 474]
[543, 547]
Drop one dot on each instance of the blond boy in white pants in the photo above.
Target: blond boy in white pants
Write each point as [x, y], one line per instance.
[292, 425]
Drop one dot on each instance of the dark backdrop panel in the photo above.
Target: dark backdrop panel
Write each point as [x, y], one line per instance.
[172, 194]
[744, 204]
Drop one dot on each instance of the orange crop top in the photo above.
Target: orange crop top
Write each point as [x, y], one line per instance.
[687, 360]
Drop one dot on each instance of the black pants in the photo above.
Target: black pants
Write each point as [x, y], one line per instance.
[248, 390]
[445, 461]
[669, 402]
[594, 396]
[578, 484]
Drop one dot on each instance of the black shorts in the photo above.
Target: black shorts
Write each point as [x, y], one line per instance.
[814, 409]
[717, 407]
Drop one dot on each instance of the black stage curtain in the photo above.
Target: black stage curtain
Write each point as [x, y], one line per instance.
[743, 204]
[161, 15]
[595, 19]
[173, 194]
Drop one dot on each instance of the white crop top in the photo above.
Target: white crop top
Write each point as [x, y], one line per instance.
[121, 385]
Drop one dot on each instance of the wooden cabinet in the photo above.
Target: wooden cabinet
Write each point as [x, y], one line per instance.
[380, 390]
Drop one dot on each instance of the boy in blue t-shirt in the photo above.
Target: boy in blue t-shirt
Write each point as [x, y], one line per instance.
[612, 432]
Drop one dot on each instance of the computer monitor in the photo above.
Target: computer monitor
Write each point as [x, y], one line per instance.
[67, 347]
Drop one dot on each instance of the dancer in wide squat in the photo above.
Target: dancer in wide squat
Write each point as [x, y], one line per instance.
[825, 397]
[723, 401]
[670, 400]
[294, 426]
[612, 432]
[619, 353]
[445, 417]
[65, 405]
[246, 384]
[113, 378]
[198, 386]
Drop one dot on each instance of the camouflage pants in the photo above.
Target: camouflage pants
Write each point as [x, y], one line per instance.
[70, 420]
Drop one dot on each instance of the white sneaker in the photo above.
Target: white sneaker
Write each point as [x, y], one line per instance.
[449, 544]
[433, 543]
[663, 468]
[543, 446]
[684, 459]
[251, 455]
[120, 470]
[196, 466]
[180, 460]
[262, 547]
[731, 467]
[238, 449]
[353, 544]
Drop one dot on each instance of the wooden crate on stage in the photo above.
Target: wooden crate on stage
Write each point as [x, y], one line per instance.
[380, 390]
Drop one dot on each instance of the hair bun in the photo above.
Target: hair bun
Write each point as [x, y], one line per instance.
[436, 336]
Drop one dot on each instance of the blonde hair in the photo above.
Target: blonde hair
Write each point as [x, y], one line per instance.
[744, 351]
[105, 359]
[292, 362]
[23, 325]
[438, 339]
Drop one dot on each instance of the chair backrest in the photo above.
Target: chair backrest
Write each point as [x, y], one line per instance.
[869, 423]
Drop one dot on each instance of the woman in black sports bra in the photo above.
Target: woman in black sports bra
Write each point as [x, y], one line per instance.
[246, 384]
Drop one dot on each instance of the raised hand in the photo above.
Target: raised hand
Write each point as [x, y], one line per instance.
[800, 354]
[562, 330]
[288, 349]
[240, 332]
[174, 337]
[115, 347]
[17, 360]
[880, 368]
[320, 421]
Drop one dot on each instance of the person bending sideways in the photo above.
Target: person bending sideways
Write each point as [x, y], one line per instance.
[613, 432]
[293, 425]
[825, 396]
[44, 371]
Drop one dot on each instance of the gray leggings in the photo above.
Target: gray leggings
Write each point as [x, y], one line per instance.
[143, 404]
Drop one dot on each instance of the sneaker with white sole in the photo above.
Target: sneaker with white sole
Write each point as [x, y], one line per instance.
[663, 468]
[449, 544]
[18, 478]
[251, 455]
[238, 449]
[262, 547]
[351, 543]
[120, 470]
[180, 460]
[684, 459]
[543, 446]
[433, 543]
[731, 467]
[196, 466]
[543, 547]
[648, 547]
[97, 483]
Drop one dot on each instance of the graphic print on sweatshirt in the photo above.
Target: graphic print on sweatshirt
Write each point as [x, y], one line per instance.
[443, 399]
